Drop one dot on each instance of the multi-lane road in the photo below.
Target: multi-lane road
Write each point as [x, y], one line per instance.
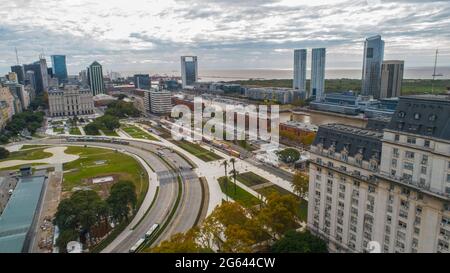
[174, 216]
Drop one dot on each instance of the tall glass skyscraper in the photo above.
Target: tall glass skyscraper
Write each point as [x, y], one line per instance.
[373, 59]
[317, 88]
[59, 67]
[189, 71]
[142, 81]
[300, 70]
[18, 69]
[95, 78]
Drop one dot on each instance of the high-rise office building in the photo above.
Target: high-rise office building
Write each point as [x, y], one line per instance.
[189, 71]
[142, 81]
[59, 68]
[40, 75]
[317, 88]
[95, 78]
[44, 73]
[158, 102]
[371, 73]
[30, 79]
[391, 79]
[300, 70]
[18, 69]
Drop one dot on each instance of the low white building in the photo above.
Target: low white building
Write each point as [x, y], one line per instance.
[71, 101]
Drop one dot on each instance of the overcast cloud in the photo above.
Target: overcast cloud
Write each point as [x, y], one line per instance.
[151, 35]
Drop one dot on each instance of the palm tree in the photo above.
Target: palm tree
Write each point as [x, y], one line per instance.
[225, 163]
[233, 161]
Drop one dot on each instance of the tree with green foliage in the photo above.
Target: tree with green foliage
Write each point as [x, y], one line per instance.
[279, 214]
[122, 200]
[289, 155]
[83, 210]
[3, 153]
[299, 242]
[65, 237]
[122, 109]
[92, 128]
[300, 184]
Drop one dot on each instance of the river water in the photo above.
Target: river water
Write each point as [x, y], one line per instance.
[320, 119]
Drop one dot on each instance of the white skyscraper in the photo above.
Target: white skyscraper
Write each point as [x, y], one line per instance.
[189, 71]
[317, 89]
[300, 70]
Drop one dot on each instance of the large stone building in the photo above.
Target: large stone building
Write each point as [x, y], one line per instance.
[7, 103]
[391, 187]
[71, 101]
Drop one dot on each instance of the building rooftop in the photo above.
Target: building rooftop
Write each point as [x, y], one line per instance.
[18, 216]
[352, 138]
[426, 115]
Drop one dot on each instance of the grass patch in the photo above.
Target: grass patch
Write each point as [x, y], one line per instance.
[251, 179]
[32, 154]
[25, 147]
[58, 130]
[197, 151]
[17, 167]
[241, 196]
[75, 131]
[109, 133]
[136, 132]
[124, 166]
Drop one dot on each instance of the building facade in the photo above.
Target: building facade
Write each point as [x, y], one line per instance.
[6, 106]
[317, 89]
[59, 68]
[300, 56]
[371, 73]
[142, 81]
[18, 69]
[390, 188]
[189, 71]
[391, 79]
[158, 101]
[71, 101]
[95, 78]
[278, 95]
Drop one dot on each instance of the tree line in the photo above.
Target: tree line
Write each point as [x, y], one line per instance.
[85, 210]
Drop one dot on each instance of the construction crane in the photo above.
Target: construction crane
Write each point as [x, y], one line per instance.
[17, 56]
[434, 71]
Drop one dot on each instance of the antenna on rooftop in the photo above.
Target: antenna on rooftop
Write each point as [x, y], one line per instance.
[434, 71]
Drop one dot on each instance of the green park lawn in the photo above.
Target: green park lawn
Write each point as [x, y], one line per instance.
[109, 133]
[136, 132]
[75, 131]
[251, 179]
[241, 196]
[115, 163]
[197, 151]
[58, 130]
[31, 154]
[29, 146]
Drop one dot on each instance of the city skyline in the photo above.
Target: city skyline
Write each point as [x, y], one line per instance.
[153, 40]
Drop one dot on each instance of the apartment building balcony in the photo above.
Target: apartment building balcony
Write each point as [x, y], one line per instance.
[420, 187]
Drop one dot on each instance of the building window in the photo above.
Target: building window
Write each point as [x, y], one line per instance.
[411, 140]
[427, 144]
[409, 155]
[395, 153]
[423, 170]
[424, 160]
[408, 166]
[397, 137]
[394, 163]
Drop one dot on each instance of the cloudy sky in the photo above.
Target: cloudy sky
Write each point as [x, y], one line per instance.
[150, 35]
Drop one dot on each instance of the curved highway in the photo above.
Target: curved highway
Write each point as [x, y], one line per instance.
[168, 165]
